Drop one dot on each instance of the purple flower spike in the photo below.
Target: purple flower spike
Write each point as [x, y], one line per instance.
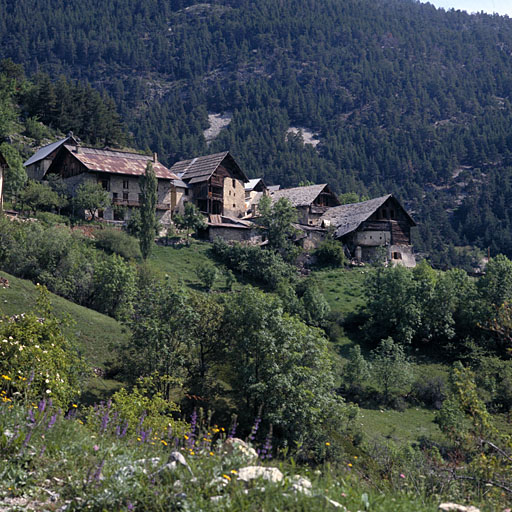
[52, 421]
[42, 405]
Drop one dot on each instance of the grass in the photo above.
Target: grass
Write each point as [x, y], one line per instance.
[57, 463]
[180, 263]
[95, 333]
[409, 426]
[343, 288]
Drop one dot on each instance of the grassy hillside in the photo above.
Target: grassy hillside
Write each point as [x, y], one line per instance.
[95, 334]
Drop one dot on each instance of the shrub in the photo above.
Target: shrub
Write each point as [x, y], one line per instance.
[259, 264]
[36, 358]
[51, 219]
[116, 241]
[330, 254]
[431, 391]
[207, 274]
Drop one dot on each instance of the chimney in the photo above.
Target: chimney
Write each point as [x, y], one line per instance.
[155, 158]
[77, 149]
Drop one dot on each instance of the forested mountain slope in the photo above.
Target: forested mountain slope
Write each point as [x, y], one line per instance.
[403, 98]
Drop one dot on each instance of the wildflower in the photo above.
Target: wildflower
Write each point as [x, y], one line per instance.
[95, 447]
[6, 377]
[186, 437]
[327, 443]
[355, 457]
[139, 439]
[211, 454]
[227, 477]
[402, 475]
[74, 405]
[234, 471]
[48, 391]
[349, 464]
[192, 452]
[164, 442]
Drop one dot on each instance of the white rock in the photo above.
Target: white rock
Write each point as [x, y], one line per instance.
[335, 504]
[235, 445]
[303, 482]
[447, 507]
[251, 472]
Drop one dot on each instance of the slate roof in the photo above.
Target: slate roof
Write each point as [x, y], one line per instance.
[252, 184]
[299, 196]
[42, 153]
[201, 168]
[348, 217]
[273, 188]
[118, 162]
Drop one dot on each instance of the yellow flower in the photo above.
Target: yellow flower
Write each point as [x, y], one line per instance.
[185, 436]
[211, 454]
[234, 471]
[192, 452]
[355, 457]
[227, 477]
[349, 465]
[75, 406]
[327, 444]
[164, 442]
[139, 439]
[6, 377]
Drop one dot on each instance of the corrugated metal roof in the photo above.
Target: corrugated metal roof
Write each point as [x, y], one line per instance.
[118, 162]
[42, 153]
[348, 217]
[299, 196]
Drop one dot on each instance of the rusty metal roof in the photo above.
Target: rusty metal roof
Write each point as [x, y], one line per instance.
[201, 168]
[118, 162]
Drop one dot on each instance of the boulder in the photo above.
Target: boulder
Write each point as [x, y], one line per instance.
[454, 507]
[252, 472]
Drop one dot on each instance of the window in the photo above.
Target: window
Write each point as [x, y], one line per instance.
[397, 256]
[186, 191]
[125, 196]
[114, 196]
[126, 184]
[234, 183]
[105, 183]
[392, 214]
[234, 205]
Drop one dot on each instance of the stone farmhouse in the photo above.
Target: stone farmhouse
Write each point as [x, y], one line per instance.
[118, 172]
[371, 227]
[216, 183]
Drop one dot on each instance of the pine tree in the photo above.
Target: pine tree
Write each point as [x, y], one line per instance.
[148, 193]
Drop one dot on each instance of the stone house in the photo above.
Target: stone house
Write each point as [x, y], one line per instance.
[118, 172]
[254, 190]
[371, 228]
[37, 165]
[311, 201]
[216, 184]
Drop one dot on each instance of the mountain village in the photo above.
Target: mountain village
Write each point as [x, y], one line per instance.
[218, 186]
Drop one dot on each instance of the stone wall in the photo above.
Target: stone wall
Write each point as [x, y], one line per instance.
[234, 197]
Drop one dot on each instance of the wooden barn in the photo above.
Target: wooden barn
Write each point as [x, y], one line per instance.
[371, 227]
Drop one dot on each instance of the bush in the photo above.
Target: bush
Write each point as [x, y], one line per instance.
[207, 274]
[330, 254]
[259, 264]
[431, 391]
[51, 219]
[115, 241]
[36, 359]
